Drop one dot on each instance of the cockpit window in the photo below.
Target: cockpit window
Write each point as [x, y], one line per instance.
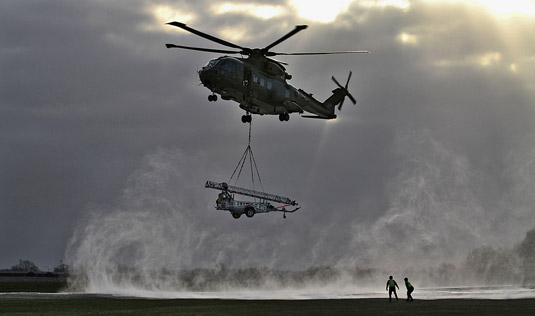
[228, 65]
[211, 63]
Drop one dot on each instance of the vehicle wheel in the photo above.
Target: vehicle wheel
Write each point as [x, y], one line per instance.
[244, 119]
[214, 98]
[286, 116]
[249, 212]
[249, 118]
[281, 117]
[236, 215]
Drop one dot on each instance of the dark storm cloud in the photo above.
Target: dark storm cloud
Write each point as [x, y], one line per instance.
[74, 116]
[88, 89]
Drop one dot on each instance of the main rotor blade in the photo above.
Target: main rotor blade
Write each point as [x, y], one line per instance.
[210, 50]
[285, 37]
[207, 36]
[319, 53]
[348, 78]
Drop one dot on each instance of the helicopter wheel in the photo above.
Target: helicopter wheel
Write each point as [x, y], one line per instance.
[212, 98]
[247, 118]
[284, 117]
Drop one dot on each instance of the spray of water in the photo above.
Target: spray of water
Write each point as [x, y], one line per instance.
[439, 227]
[133, 233]
[434, 210]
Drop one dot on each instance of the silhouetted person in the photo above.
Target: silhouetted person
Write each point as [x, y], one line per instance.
[410, 289]
[391, 285]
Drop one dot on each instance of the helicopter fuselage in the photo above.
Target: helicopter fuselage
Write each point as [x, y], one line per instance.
[259, 85]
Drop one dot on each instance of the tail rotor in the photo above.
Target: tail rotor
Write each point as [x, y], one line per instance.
[345, 90]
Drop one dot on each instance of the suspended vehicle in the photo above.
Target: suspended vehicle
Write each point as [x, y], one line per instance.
[225, 201]
[259, 84]
[262, 201]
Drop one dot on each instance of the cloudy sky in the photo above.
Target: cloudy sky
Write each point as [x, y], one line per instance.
[107, 138]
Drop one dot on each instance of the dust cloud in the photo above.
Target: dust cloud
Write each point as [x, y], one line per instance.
[447, 223]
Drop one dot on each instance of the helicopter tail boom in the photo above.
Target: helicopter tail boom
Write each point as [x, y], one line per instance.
[325, 110]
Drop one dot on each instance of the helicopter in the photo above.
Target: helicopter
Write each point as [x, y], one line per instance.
[259, 84]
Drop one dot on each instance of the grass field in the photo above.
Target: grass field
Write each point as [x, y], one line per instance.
[82, 304]
[36, 286]
[104, 305]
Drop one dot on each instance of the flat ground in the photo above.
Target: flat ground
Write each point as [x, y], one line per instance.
[57, 304]
[34, 285]
[103, 305]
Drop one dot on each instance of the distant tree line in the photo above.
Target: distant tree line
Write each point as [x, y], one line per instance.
[28, 266]
[25, 266]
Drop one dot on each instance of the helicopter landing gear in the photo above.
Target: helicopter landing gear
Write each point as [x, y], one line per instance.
[247, 118]
[284, 117]
[212, 98]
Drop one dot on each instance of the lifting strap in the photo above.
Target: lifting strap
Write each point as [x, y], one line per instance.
[247, 155]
